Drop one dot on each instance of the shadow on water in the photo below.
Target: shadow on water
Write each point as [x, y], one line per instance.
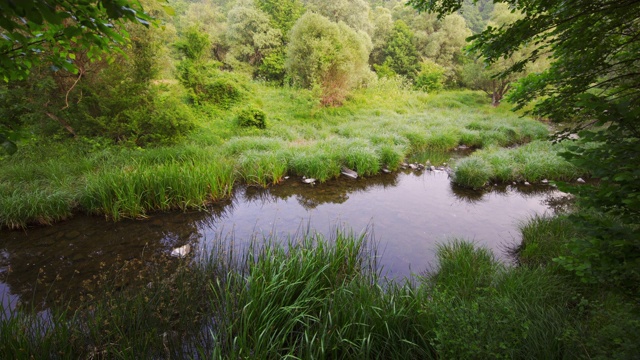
[408, 212]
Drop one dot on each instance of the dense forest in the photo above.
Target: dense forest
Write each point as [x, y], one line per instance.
[122, 108]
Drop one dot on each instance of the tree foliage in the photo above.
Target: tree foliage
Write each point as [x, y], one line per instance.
[283, 13]
[438, 39]
[593, 79]
[45, 31]
[251, 35]
[333, 57]
[354, 13]
[478, 74]
[400, 54]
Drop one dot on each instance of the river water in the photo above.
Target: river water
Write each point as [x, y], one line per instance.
[405, 213]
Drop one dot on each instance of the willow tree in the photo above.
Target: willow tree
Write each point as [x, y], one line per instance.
[326, 55]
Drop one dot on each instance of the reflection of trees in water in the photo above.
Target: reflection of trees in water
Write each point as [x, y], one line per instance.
[473, 196]
[310, 196]
[42, 263]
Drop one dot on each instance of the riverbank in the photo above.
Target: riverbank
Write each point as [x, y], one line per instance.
[379, 127]
[323, 297]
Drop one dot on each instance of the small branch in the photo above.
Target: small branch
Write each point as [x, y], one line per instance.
[66, 97]
[62, 122]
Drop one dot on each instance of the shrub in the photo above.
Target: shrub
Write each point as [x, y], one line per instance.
[252, 117]
[430, 78]
[142, 118]
[208, 84]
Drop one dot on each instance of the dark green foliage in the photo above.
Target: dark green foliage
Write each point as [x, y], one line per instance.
[593, 79]
[400, 54]
[148, 117]
[202, 77]
[50, 32]
[273, 67]
[252, 117]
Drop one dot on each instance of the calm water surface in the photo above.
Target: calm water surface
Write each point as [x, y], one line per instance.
[406, 213]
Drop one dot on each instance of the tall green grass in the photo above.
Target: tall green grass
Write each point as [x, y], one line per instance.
[532, 162]
[311, 297]
[136, 188]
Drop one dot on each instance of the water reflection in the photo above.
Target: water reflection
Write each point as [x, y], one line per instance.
[409, 213]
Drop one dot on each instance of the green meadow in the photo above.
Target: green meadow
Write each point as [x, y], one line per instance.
[377, 128]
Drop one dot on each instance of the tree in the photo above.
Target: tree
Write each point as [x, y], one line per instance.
[477, 14]
[330, 56]
[477, 74]
[382, 27]
[400, 53]
[354, 13]
[46, 31]
[52, 31]
[440, 40]
[251, 35]
[593, 79]
[283, 13]
[208, 16]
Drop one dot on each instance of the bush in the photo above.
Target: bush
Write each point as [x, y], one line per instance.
[143, 117]
[430, 78]
[208, 84]
[252, 117]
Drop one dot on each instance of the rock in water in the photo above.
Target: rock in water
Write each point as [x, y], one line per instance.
[348, 172]
[386, 171]
[308, 180]
[181, 251]
[526, 183]
[581, 180]
[545, 181]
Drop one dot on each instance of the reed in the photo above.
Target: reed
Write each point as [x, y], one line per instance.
[310, 296]
[132, 190]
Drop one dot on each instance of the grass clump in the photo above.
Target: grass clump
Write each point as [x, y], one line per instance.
[133, 190]
[532, 162]
[316, 162]
[473, 172]
[262, 168]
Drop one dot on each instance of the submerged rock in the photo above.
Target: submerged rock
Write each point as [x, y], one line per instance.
[348, 172]
[181, 251]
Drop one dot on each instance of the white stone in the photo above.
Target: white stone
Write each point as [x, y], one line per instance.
[181, 251]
